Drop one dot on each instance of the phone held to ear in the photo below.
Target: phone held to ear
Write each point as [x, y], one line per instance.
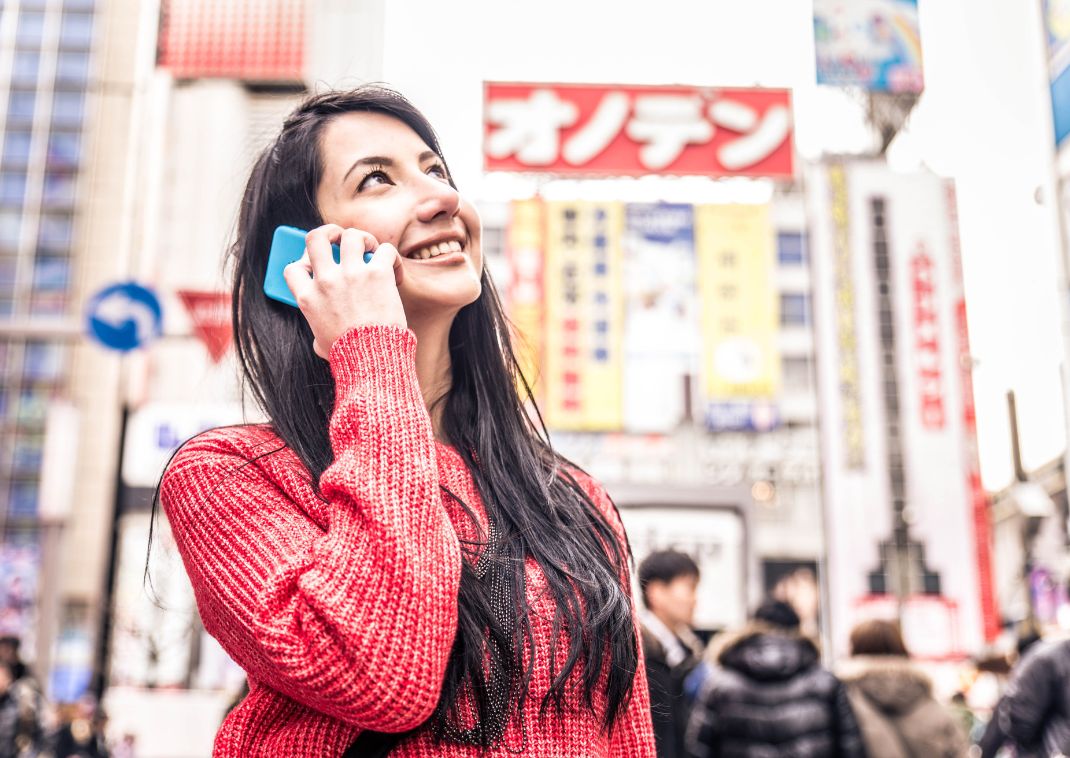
[287, 246]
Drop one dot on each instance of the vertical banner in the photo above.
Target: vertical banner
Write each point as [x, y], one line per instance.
[661, 337]
[892, 238]
[524, 248]
[584, 315]
[740, 311]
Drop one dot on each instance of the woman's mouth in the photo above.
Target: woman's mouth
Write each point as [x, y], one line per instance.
[436, 250]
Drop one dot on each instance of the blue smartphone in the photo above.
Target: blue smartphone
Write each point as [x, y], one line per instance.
[287, 246]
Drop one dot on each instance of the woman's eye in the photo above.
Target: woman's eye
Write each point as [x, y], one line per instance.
[373, 179]
[439, 171]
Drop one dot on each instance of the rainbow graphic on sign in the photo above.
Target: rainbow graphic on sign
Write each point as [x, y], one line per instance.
[874, 44]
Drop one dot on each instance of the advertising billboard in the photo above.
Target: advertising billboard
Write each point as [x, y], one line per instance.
[873, 44]
[897, 433]
[251, 40]
[1057, 28]
[622, 130]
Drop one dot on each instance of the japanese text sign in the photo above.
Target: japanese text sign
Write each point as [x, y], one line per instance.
[605, 130]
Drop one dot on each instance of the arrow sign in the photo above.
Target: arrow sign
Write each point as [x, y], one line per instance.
[124, 316]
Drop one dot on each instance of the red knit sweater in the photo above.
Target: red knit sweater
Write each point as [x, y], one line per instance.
[343, 609]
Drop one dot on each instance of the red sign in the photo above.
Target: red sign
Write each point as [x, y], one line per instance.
[607, 130]
[210, 314]
[252, 40]
[927, 339]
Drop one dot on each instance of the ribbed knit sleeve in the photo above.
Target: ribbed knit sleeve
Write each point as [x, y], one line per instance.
[355, 618]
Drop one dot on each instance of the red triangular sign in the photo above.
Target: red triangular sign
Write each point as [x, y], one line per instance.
[210, 314]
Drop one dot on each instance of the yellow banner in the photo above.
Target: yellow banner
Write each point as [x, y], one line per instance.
[525, 297]
[584, 300]
[740, 301]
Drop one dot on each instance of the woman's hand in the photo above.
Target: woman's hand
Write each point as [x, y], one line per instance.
[335, 297]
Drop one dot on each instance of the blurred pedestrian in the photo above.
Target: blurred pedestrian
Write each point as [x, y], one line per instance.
[769, 696]
[893, 701]
[1034, 713]
[20, 726]
[668, 581]
[994, 737]
[399, 557]
[81, 732]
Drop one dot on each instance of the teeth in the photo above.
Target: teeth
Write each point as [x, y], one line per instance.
[441, 248]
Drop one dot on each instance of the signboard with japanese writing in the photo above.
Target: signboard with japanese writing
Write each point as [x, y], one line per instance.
[607, 130]
[740, 308]
[873, 44]
[253, 40]
[1057, 26]
[885, 263]
[524, 248]
[584, 315]
[661, 335]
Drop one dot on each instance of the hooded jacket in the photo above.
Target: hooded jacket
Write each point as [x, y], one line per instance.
[899, 718]
[1035, 711]
[769, 696]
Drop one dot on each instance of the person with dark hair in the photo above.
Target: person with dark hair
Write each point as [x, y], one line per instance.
[398, 559]
[769, 695]
[893, 699]
[668, 581]
[1034, 712]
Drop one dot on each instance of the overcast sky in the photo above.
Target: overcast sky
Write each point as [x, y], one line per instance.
[983, 120]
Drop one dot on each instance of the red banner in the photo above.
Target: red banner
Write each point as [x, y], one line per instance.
[210, 314]
[609, 130]
[251, 40]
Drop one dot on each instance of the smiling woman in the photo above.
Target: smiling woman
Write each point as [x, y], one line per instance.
[398, 559]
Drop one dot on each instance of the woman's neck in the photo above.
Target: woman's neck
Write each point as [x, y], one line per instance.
[433, 367]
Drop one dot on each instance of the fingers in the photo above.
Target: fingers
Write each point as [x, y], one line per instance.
[354, 244]
[318, 247]
[386, 258]
[298, 276]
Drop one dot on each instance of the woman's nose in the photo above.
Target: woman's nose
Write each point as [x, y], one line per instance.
[437, 199]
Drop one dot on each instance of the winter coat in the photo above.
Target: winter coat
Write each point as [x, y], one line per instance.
[899, 718]
[769, 697]
[668, 704]
[1035, 711]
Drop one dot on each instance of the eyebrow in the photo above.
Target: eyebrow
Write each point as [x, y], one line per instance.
[379, 160]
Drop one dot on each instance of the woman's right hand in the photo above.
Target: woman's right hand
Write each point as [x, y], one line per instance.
[335, 297]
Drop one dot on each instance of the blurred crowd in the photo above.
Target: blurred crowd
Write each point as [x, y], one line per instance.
[763, 689]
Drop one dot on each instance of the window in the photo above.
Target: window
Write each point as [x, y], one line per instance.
[58, 189]
[27, 453]
[12, 187]
[64, 150]
[20, 107]
[49, 303]
[31, 27]
[72, 68]
[24, 68]
[23, 502]
[8, 268]
[76, 30]
[791, 248]
[67, 109]
[796, 372]
[16, 149]
[794, 309]
[9, 229]
[51, 274]
[43, 361]
[55, 232]
[33, 406]
[79, 5]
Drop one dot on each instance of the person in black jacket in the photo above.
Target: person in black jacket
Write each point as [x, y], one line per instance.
[770, 696]
[668, 581]
[1035, 711]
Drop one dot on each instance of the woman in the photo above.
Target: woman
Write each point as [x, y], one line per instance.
[893, 700]
[397, 551]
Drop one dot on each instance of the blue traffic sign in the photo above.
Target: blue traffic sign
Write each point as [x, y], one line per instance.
[124, 316]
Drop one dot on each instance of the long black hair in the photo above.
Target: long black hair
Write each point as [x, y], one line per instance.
[534, 503]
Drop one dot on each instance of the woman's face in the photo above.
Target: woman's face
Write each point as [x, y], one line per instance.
[381, 178]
